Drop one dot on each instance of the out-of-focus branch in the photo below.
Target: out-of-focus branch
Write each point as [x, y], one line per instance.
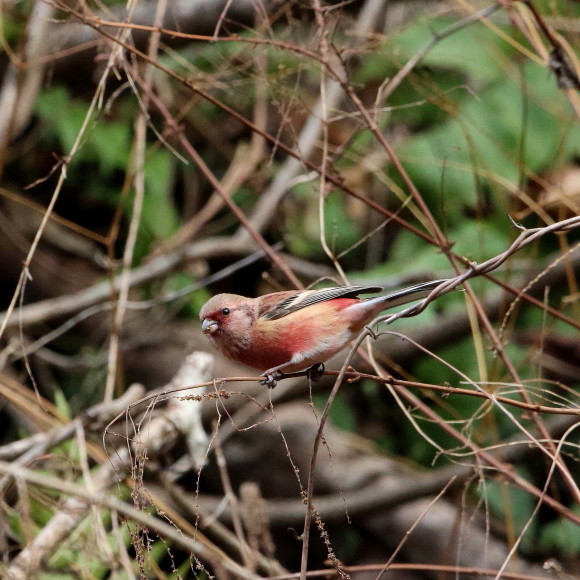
[253, 233]
[113, 469]
[81, 499]
[54, 307]
[26, 451]
[331, 93]
[384, 490]
[24, 76]
[358, 480]
[185, 16]
[138, 178]
[455, 326]
[457, 571]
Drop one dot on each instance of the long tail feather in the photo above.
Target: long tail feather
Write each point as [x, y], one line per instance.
[406, 295]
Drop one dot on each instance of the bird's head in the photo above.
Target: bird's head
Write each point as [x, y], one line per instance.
[228, 318]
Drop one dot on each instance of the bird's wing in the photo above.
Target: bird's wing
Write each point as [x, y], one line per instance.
[298, 300]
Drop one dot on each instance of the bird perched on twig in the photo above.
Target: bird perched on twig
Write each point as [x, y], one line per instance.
[292, 331]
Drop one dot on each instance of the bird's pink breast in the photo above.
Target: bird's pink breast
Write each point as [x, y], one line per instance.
[276, 342]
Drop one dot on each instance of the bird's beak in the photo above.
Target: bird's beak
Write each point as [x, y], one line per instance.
[209, 326]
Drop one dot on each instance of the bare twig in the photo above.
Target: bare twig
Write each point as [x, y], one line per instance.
[461, 571]
[415, 524]
[110, 472]
[29, 558]
[25, 451]
[68, 304]
[23, 78]
[204, 168]
[234, 505]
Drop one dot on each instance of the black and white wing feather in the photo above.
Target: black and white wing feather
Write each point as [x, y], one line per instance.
[308, 297]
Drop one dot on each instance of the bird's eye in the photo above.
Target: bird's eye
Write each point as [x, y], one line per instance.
[225, 311]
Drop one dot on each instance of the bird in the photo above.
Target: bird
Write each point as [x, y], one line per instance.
[291, 331]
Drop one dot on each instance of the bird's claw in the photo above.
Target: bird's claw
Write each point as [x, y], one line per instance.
[315, 372]
[271, 380]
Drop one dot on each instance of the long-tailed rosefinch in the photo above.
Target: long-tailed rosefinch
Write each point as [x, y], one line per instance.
[292, 331]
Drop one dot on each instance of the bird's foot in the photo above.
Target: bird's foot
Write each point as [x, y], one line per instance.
[271, 379]
[315, 371]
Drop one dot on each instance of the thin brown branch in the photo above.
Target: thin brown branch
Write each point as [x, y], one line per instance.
[138, 179]
[196, 157]
[334, 180]
[385, 487]
[353, 376]
[54, 307]
[195, 509]
[81, 498]
[462, 571]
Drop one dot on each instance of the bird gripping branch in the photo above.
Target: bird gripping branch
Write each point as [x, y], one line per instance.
[286, 332]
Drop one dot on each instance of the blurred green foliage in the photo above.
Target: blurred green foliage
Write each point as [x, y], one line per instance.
[108, 144]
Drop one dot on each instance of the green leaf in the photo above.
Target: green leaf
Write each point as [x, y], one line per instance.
[563, 536]
[480, 240]
[110, 142]
[485, 58]
[341, 414]
[426, 258]
[61, 115]
[484, 146]
[105, 142]
[341, 231]
[159, 212]
[61, 402]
